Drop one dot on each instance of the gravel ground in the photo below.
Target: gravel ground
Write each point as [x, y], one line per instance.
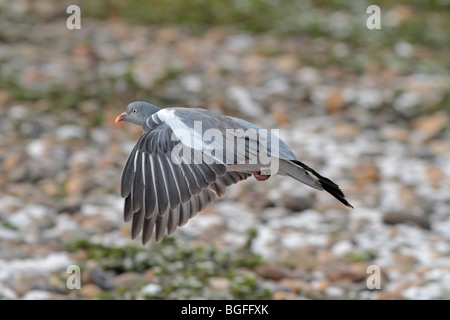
[61, 157]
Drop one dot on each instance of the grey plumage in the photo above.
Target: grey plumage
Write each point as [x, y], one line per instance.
[162, 193]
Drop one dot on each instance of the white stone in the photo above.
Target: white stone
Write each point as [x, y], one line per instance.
[244, 101]
[192, 83]
[308, 76]
[406, 101]
[36, 149]
[17, 112]
[404, 49]
[39, 266]
[340, 50]
[7, 293]
[70, 131]
[151, 289]
[239, 43]
[342, 247]
[37, 295]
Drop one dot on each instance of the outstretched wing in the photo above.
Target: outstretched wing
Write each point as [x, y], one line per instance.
[161, 192]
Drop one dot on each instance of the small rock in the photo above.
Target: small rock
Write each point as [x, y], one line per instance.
[37, 295]
[272, 272]
[239, 43]
[309, 76]
[167, 35]
[367, 173]
[298, 258]
[69, 208]
[244, 101]
[395, 133]
[296, 203]
[320, 285]
[392, 218]
[405, 102]
[192, 83]
[342, 247]
[11, 161]
[434, 174]
[334, 101]
[281, 295]
[100, 137]
[97, 224]
[219, 283]
[78, 184]
[148, 275]
[276, 86]
[439, 147]
[37, 148]
[340, 50]
[381, 295]
[96, 275]
[33, 216]
[408, 196]
[402, 13]
[335, 292]
[403, 49]
[151, 290]
[90, 291]
[280, 114]
[346, 130]
[128, 280]
[70, 131]
[406, 261]
[80, 255]
[337, 274]
[297, 286]
[17, 112]
[24, 283]
[359, 271]
[431, 125]
[7, 293]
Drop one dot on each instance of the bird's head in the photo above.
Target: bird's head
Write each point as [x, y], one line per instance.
[137, 113]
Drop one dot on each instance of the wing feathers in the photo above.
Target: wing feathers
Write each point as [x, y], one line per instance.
[161, 195]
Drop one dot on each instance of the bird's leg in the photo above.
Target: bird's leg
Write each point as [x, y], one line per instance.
[260, 177]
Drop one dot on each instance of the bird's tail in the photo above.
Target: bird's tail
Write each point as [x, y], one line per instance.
[325, 183]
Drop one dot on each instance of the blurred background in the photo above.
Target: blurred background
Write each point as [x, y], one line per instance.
[367, 108]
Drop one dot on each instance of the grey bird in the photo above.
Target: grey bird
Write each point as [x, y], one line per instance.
[187, 157]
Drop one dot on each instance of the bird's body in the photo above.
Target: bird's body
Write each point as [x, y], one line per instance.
[187, 157]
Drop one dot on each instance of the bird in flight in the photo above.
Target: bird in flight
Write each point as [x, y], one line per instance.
[187, 157]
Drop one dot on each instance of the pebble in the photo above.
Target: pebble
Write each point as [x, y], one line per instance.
[335, 292]
[128, 280]
[90, 291]
[334, 102]
[244, 101]
[151, 289]
[93, 274]
[342, 248]
[37, 295]
[281, 295]
[403, 217]
[192, 83]
[70, 131]
[272, 272]
[219, 284]
[17, 112]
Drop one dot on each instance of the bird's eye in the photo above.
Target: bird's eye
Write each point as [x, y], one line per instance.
[134, 110]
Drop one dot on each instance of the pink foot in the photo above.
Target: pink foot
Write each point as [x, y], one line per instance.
[260, 177]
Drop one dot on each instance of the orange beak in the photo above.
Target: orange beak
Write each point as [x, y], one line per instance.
[120, 117]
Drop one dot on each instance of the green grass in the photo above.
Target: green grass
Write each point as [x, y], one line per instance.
[430, 24]
[182, 272]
